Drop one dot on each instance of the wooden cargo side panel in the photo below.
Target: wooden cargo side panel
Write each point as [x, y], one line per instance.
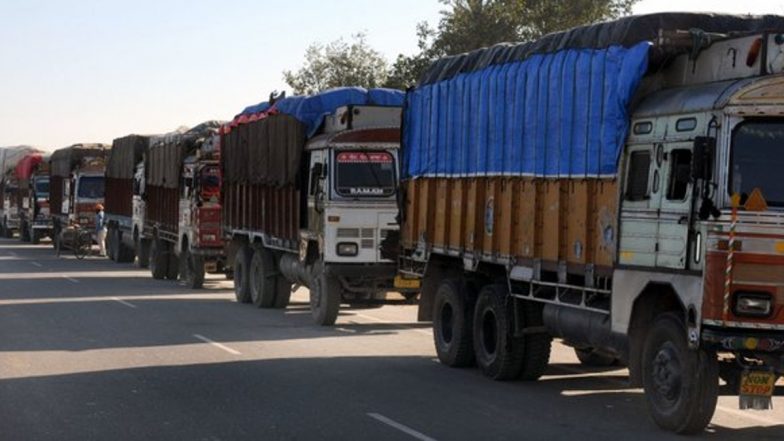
[552, 221]
[474, 214]
[525, 232]
[441, 220]
[605, 219]
[457, 206]
[577, 221]
[505, 226]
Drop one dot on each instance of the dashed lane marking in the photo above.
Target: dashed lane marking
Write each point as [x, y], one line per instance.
[36, 264]
[70, 279]
[401, 427]
[128, 304]
[217, 345]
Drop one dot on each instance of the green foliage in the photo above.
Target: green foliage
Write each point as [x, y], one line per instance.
[338, 64]
[468, 25]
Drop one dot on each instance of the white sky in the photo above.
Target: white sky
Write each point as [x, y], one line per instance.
[95, 70]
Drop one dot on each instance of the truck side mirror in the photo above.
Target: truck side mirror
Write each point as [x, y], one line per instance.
[702, 162]
[316, 173]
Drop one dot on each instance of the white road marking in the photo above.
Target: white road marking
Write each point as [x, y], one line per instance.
[749, 415]
[36, 264]
[405, 429]
[399, 325]
[217, 345]
[70, 279]
[119, 300]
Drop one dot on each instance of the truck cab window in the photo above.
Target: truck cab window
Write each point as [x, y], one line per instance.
[680, 174]
[365, 174]
[637, 179]
[757, 159]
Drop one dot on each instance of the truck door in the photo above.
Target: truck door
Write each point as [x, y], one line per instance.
[675, 205]
[316, 190]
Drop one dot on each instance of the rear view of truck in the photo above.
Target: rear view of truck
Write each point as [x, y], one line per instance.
[180, 192]
[76, 186]
[309, 195]
[35, 220]
[124, 205]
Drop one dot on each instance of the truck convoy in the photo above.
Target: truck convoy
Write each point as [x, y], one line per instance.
[309, 194]
[9, 188]
[616, 186]
[32, 177]
[176, 200]
[76, 186]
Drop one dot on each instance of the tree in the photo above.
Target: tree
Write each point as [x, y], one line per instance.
[339, 64]
[468, 25]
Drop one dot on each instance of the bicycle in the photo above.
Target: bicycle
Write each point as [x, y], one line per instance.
[82, 243]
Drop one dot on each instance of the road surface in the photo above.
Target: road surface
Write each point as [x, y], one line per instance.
[92, 350]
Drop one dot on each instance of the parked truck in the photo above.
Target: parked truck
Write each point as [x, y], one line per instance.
[178, 183]
[76, 186]
[309, 195]
[32, 177]
[615, 186]
[125, 207]
[9, 188]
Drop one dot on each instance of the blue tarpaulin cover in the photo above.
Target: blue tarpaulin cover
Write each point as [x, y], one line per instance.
[311, 110]
[561, 114]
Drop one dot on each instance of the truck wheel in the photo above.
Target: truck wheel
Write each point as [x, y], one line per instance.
[592, 358]
[56, 239]
[283, 293]
[142, 253]
[159, 261]
[173, 267]
[537, 344]
[24, 232]
[452, 324]
[242, 274]
[325, 295]
[499, 354]
[263, 278]
[125, 253]
[35, 236]
[192, 270]
[112, 245]
[681, 385]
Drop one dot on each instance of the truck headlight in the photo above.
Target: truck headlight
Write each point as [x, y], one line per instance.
[347, 249]
[753, 304]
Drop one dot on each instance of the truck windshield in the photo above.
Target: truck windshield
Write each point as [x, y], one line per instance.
[91, 187]
[757, 159]
[210, 182]
[365, 174]
[42, 188]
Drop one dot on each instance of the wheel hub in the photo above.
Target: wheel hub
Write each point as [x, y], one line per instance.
[667, 373]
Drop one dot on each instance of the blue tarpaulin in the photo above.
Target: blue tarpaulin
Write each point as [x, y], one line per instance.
[561, 114]
[311, 110]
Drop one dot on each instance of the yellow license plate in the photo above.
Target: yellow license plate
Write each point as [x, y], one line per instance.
[757, 384]
[403, 283]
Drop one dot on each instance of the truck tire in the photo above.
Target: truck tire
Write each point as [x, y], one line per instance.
[592, 358]
[35, 236]
[263, 278]
[173, 268]
[499, 354]
[537, 345]
[325, 295]
[192, 270]
[24, 232]
[142, 253]
[283, 295]
[453, 323]
[681, 385]
[159, 260]
[111, 244]
[125, 254]
[242, 274]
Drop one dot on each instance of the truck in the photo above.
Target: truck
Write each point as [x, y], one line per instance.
[309, 194]
[9, 188]
[32, 177]
[179, 183]
[125, 207]
[614, 186]
[76, 187]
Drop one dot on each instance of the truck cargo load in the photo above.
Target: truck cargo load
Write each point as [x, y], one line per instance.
[9, 187]
[125, 154]
[32, 174]
[584, 181]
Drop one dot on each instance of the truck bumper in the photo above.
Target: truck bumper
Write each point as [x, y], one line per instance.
[767, 346]
[369, 271]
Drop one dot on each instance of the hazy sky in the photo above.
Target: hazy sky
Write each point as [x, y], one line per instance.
[94, 70]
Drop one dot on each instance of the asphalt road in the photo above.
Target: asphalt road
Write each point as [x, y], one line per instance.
[92, 350]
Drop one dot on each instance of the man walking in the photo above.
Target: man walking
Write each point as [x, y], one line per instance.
[100, 229]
